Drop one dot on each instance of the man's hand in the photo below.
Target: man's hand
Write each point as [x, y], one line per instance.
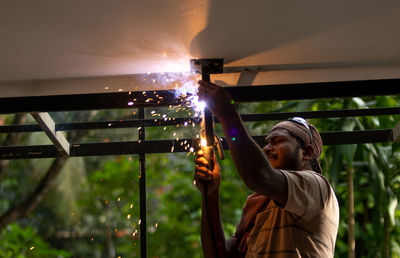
[218, 100]
[203, 175]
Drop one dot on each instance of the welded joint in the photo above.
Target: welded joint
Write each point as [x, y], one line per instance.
[49, 127]
[396, 133]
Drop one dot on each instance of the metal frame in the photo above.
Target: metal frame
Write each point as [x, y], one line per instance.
[48, 126]
[165, 98]
[168, 97]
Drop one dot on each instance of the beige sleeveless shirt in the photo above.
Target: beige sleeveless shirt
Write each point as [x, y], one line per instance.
[306, 227]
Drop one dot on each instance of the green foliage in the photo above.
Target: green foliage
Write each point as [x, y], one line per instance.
[375, 173]
[173, 206]
[19, 242]
[94, 209]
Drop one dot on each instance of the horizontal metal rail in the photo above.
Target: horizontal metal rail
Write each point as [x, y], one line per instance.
[167, 146]
[116, 100]
[166, 98]
[180, 121]
[316, 90]
[114, 124]
[348, 137]
[321, 114]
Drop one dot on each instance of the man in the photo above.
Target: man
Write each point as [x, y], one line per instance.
[293, 212]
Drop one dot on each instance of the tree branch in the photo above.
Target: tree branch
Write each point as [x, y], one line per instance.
[32, 201]
[24, 208]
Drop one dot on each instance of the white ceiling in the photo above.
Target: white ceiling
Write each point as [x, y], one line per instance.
[82, 46]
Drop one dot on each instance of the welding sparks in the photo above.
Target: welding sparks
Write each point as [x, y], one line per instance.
[188, 90]
[199, 105]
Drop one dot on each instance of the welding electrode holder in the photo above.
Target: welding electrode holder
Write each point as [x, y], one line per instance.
[208, 152]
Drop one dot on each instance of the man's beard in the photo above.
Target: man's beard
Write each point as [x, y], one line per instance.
[293, 163]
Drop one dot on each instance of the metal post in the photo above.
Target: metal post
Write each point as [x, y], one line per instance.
[206, 68]
[142, 192]
[208, 117]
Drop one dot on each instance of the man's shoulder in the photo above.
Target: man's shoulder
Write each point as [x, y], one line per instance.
[305, 174]
[303, 178]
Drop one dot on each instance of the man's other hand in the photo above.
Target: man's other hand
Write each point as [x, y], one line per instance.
[204, 176]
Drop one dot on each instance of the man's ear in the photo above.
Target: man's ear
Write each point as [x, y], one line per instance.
[308, 152]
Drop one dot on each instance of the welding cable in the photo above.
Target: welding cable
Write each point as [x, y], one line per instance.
[208, 214]
[209, 155]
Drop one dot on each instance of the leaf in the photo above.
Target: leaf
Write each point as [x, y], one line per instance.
[336, 164]
[348, 152]
[359, 102]
[393, 201]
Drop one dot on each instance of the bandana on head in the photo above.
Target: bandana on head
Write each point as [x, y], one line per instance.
[301, 131]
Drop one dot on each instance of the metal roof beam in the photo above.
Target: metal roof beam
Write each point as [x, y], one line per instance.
[166, 98]
[315, 90]
[96, 101]
[48, 126]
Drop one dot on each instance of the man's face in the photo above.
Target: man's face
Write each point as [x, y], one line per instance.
[282, 150]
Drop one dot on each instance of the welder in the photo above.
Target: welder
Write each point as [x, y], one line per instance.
[293, 211]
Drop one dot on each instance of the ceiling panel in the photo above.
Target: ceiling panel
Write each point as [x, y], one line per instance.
[48, 44]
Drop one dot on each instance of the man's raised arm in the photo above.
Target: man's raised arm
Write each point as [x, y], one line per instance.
[251, 163]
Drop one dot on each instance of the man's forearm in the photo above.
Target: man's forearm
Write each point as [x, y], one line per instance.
[212, 236]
